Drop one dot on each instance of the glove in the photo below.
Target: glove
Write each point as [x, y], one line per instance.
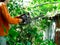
[25, 18]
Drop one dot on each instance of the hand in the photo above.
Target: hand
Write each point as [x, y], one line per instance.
[20, 20]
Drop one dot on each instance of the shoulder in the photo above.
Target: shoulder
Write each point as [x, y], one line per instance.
[2, 3]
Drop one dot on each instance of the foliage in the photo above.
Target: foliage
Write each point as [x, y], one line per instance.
[31, 34]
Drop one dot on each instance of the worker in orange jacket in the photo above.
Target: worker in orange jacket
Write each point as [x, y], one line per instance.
[5, 20]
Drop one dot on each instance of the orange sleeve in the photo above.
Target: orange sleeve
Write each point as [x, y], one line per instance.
[7, 15]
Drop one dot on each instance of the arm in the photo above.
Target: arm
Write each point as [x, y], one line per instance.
[7, 16]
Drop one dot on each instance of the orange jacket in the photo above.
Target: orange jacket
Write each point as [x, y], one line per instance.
[6, 19]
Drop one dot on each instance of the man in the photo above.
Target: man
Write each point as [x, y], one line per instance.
[5, 20]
